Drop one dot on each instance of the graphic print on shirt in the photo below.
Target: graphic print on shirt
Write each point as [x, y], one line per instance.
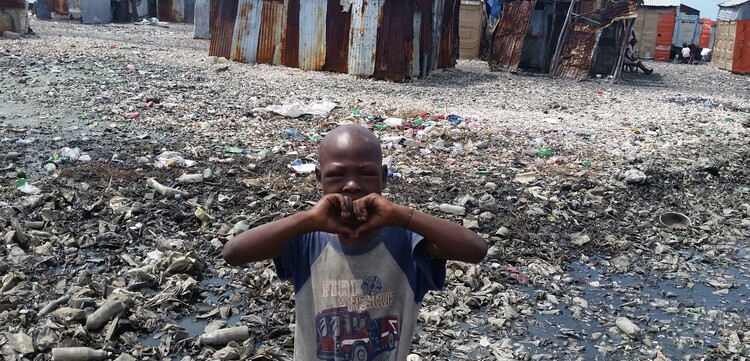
[348, 332]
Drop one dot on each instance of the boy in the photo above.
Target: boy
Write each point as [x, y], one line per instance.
[360, 264]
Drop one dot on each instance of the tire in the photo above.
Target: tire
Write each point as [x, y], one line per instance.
[359, 353]
[391, 341]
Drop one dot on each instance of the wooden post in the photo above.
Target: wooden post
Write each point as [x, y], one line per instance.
[563, 33]
[552, 31]
[626, 38]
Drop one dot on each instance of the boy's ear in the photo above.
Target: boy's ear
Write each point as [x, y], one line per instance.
[318, 183]
[384, 174]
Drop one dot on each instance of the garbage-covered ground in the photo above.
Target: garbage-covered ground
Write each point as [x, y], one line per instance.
[129, 157]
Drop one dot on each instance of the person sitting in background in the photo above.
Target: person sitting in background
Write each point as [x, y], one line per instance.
[631, 60]
[685, 53]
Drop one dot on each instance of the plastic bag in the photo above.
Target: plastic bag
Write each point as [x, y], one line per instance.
[295, 108]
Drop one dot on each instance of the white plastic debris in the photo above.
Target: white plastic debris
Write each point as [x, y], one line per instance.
[294, 108]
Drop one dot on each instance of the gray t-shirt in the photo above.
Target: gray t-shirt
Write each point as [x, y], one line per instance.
[358, 304]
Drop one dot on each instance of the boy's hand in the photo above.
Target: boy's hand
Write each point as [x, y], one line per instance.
[331, 213]
[374, 212]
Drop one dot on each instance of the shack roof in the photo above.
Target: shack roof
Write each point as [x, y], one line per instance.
[731, 3]
[661, 2]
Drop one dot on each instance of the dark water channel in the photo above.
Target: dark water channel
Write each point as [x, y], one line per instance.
[693, 323]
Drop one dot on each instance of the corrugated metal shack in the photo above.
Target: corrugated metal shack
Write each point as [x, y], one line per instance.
[732, 45]
[177, 11]
[383, 39]
[564, 38]
[13, 16]
[654, 28]
[687, 26]
[734, 10]
[106, 11]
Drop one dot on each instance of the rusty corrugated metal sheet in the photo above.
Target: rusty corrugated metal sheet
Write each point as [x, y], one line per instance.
[416, 45]
[617, 11]
[578, 51]
[224, 15]
[12, 4]
[338, 23]
[312, 31]
[170, 10]
[363, 36]
[389, 39]
[395, 39]
[436, 31]
[269, 39]
[246, 31]
[448, 49]
[507, 42]
[60, 7]
[290, 36]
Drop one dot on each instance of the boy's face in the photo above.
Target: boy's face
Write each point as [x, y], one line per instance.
[351, 165]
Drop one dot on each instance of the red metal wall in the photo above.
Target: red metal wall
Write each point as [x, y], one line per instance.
[741, 60]
[665, 32]
[705, 38]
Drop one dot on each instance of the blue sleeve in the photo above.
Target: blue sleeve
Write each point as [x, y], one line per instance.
[431, 275]
[423, 272]
[297, 256]
[285, 262]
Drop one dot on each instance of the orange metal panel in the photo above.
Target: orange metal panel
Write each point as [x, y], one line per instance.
[665, 31]
[741, 63]
[705, 33]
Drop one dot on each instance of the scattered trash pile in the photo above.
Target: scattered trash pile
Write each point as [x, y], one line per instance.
[611, 237]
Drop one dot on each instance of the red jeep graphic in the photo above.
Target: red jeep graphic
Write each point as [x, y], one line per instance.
[354, 335]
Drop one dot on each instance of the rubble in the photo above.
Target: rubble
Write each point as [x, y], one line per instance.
[582, 190]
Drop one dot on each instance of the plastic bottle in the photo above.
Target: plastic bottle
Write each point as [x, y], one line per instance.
[190, 178]
[13, 155]
[451, 209]
[77, 354]
[101, 316]
[225, 335]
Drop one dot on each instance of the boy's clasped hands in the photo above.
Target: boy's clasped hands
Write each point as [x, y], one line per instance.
[340, 214]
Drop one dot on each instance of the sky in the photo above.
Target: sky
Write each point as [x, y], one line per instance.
[707, 8]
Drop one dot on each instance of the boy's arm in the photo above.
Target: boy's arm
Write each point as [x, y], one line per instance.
[266, 241]
[445, 239]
